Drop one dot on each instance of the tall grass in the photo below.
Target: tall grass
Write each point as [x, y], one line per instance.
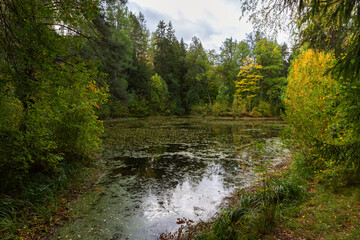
[257, 212]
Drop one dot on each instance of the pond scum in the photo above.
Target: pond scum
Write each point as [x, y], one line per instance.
[160, 169]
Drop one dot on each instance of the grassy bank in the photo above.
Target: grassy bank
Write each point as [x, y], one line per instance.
[256, 211]
[327, 214]
[283, 206]
[40, 204]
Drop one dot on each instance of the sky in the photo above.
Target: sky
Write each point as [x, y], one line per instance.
[212, 21]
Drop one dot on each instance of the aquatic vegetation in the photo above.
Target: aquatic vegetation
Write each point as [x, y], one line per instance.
[160, 169]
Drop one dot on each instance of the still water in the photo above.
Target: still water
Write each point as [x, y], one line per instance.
[164, 168]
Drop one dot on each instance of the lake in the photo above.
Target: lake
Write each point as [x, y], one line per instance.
[159, 169]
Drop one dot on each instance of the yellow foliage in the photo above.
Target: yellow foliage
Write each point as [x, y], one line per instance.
[310, 96]
[247, 81]
[315, 115]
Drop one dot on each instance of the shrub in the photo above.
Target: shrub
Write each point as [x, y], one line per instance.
[263, 109]
[316, 119]
[200, 109]
[219, 108]
[139, 107]
[238, 106]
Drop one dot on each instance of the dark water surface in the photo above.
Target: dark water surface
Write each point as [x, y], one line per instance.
[160, 169]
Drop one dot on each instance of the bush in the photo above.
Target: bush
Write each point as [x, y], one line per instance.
[158, 95]
[58, 123]
[263, 109]
[219, 108]
[200, 109]
[322, 139]
[238, 107]
[139, 108]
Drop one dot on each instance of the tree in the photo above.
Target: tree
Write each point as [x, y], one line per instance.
[231, 58]
[268, 54]
[196, 83]
[51, 92]
[111, 48]
[253, 38]
[161, 46]
[315, 116]
[140, 68]
[331, 26]
[247, 84]
[158, 95]
[169, 61]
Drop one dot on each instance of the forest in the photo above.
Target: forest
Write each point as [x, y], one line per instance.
[59, 79]
[68, 65]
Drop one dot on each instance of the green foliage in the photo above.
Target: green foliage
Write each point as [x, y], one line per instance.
[329, 123]
[50, 95]
[139, 107]
[158, 95]
[192, 75]
[239, 107]
[219, 108]
[332, 26]
[197, 80]
[224, 94]
[200, 109]
[268, 54]
[169, 62]
[111, 48]
[231, 56]
[114, 108]
[264, 109]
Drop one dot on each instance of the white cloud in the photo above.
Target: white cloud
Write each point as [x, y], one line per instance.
[212, 21]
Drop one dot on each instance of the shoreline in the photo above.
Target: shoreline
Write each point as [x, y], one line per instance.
[188, 227]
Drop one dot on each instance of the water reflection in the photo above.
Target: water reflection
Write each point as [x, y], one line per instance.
[161, 169]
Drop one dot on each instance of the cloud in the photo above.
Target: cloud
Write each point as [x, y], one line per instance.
[184, 27]
[188, 29]
[211, 21]
[152, 16]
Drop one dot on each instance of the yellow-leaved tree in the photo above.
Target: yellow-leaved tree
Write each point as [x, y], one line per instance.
[246, 86]
[316, 123]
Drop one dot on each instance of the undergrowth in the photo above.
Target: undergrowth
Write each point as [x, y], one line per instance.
[36, 207]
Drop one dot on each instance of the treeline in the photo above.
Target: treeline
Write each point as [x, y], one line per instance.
[158, 74]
